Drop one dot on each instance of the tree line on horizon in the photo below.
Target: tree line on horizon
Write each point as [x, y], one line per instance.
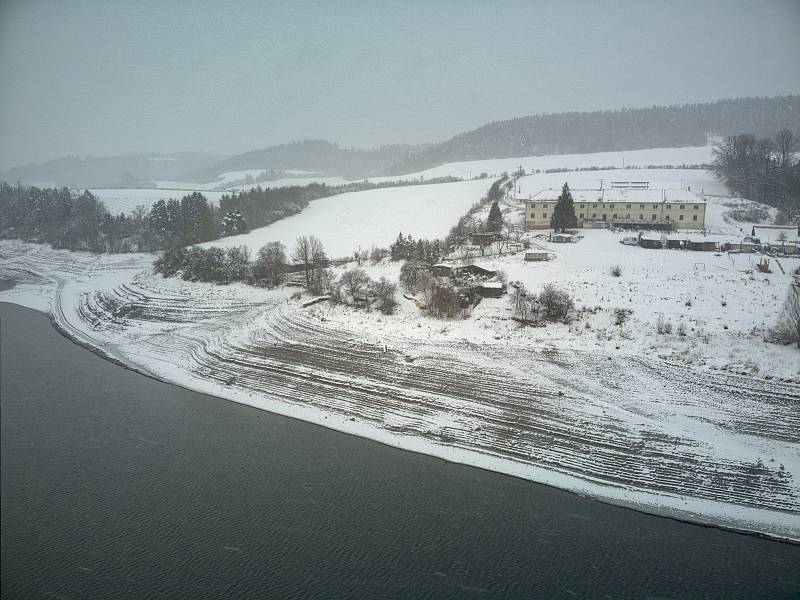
[611, 130]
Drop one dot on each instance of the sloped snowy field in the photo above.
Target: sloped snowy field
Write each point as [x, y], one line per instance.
[125, 200]
[375, 217]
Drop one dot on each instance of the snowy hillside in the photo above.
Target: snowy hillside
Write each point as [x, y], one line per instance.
[629, 158]
[373, 217]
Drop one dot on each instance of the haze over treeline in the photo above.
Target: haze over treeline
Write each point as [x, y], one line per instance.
[560, 133]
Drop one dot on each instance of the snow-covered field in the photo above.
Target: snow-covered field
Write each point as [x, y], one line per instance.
[703, 426]
[125, 200]
[621, 159]
[374, 217]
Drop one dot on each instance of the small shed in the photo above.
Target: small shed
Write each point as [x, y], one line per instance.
[536, 256]
[650, 242]
[749, 246]
[474, 270]
[562, 238]
[701, 245]
[677, 243]
[441, 270]
[484, 239]
[491, 289]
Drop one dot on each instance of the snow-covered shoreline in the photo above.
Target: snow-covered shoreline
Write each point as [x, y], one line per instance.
[256, 348]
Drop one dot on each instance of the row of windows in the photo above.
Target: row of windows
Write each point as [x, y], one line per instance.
[611, 205]
[614, 216]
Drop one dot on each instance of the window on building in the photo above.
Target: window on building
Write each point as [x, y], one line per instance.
[628, 216]
[641, 217]
[667, 217]
[694, 217]
[581, 205]
[668, 206]
[594, 205]
[680, 207]
[544, 215]
[680, 218]
[655, 205]
[628, 206]
[581, 216]
[696, 206]
[654, 217]
[614, 216]
[594, 215]
[641, 206]
[611, 205]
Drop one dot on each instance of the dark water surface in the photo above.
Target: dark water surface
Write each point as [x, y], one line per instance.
[118, 486]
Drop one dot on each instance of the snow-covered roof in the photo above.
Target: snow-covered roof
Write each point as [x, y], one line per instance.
[623, 195]
[492, 284]
[772, 233]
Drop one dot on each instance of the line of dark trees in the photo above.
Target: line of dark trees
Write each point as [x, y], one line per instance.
[81, 222]
[764, 170]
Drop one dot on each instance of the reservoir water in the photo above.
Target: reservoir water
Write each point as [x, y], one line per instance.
[118, 486]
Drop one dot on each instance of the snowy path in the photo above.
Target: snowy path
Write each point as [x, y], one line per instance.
[667, 438]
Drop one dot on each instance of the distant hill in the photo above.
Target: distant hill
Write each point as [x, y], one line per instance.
[560, 133]
[312, 155]
[610, 130]
[129, 170]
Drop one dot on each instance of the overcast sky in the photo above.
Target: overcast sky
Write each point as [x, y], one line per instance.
[100, 78]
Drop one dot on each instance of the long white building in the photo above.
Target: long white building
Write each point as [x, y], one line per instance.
[630, 205]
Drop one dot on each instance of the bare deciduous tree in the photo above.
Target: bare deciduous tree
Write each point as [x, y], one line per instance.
[309, 253]
[787, 330]
[270, 264]
[384, 291]
[354, 282]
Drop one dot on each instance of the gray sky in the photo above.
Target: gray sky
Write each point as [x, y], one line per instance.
[100, 78]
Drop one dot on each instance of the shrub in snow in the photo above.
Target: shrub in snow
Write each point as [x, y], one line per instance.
[441, 298]
[412, 275]
[354, 283]
[681, 329]
[616, 271]
[621, 315]
[335, 292]
[556, 303]
[787, 330]
[384, 290]
[663, 326]
[378, 254]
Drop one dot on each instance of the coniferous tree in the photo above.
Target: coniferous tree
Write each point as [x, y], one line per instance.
[494, 223]
[564, 213]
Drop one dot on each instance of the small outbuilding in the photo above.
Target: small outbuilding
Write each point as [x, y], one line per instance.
[491, 289]
[441, 270]
[562, 238]
[474, 270]
[651, 242]
[677, 243]
[536, 256]
[701, 245]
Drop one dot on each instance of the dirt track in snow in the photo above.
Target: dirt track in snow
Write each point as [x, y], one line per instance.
[621, 422]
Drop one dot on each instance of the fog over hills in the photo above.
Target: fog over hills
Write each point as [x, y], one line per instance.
[559, 133]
